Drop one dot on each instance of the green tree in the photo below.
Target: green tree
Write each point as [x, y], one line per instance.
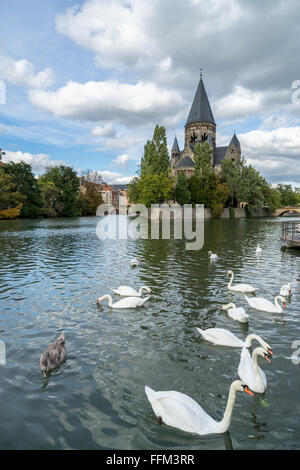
[217, 195]
[203, 160]
[156, 156]
[133, 190]
[49, 193]
[89, 198]
[67, 184]
[182, 193]
[26, 184]
[231, 175]
[287, 194]
[9, 196]
[155, 189]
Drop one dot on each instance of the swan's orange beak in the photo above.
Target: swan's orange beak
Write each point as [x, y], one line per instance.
[268, 358]
[284, 305]
[270, 352]
[247, 390]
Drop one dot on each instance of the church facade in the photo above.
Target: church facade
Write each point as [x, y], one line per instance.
[201, 127]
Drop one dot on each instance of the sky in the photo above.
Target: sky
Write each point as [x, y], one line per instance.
[84, 82]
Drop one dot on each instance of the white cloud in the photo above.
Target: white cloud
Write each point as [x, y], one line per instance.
[122, 159]
[21, 73]
[104, 131]
[275, 153]
[114, 177]
[39, 162]
[111, 100]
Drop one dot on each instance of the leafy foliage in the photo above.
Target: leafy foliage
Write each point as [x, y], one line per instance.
[182, 192]
[26, 185]
[89, 198]
[66, 193]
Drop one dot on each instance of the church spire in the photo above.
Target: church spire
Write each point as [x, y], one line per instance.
[175, 147]
[201, 110]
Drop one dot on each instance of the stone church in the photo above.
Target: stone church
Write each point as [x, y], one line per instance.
[201, 127]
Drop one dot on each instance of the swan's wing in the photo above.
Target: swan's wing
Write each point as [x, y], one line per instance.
[128, 302]
[221, 337]
[238, 314]
[141, 302]
[126, 290]
[181, 411]
[244, 287]
[262, 304]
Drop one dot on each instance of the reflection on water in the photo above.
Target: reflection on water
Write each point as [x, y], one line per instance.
[52, 272]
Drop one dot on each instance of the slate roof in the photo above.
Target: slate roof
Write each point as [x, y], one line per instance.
[175, 147]
[201, 110]
[219, 155]
[235, 141]
[187, 162]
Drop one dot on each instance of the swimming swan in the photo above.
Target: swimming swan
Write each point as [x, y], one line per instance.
[180, 411]
[134, 262]
[212, 255]
[53, 356]
[128, 302]
[265, 305]
[249, 369]
[130, 292]
[286, 290]
[258, 249]
[235, 313]
[222, 337]
[239, 287]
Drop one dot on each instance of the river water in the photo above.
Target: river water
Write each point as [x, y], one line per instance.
[52, 272]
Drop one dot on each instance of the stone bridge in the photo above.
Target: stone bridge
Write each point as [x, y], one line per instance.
[283, 210]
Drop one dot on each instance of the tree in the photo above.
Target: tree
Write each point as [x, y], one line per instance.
[49, 193]
[9, 196]
[218, 194]
[89, 198]
[203, 160]
[133, 190]
[231, 175]
[26, 184]
[182, 193]
[67, 184]
[287, 194]
[156, 156]
[154, 189]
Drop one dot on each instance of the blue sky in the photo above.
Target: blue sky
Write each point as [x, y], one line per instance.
[87, 81]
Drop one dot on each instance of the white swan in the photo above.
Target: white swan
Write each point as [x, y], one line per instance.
[258, 249]
[249, 369]
[239, 287]
[134, 262]
[222, 337]
[130, 292]
[286, 290]
[259, 303]
[128, 302]
[212, 255]
[180, 411]
[235, 313]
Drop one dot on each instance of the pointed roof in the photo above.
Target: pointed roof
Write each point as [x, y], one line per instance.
[235, 141]
[186, 162]
[175, 147]
[201, 110]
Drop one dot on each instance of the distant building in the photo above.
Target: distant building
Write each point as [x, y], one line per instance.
[201, 127]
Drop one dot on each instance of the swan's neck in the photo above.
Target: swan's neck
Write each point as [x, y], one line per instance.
[141, 289]
[231, 280]
[255, 364]
[252, 337]
[225, 423]
[228, 306]
[109, 297]
[277, 303]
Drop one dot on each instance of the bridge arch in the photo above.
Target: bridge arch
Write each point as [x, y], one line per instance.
[282, 210]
